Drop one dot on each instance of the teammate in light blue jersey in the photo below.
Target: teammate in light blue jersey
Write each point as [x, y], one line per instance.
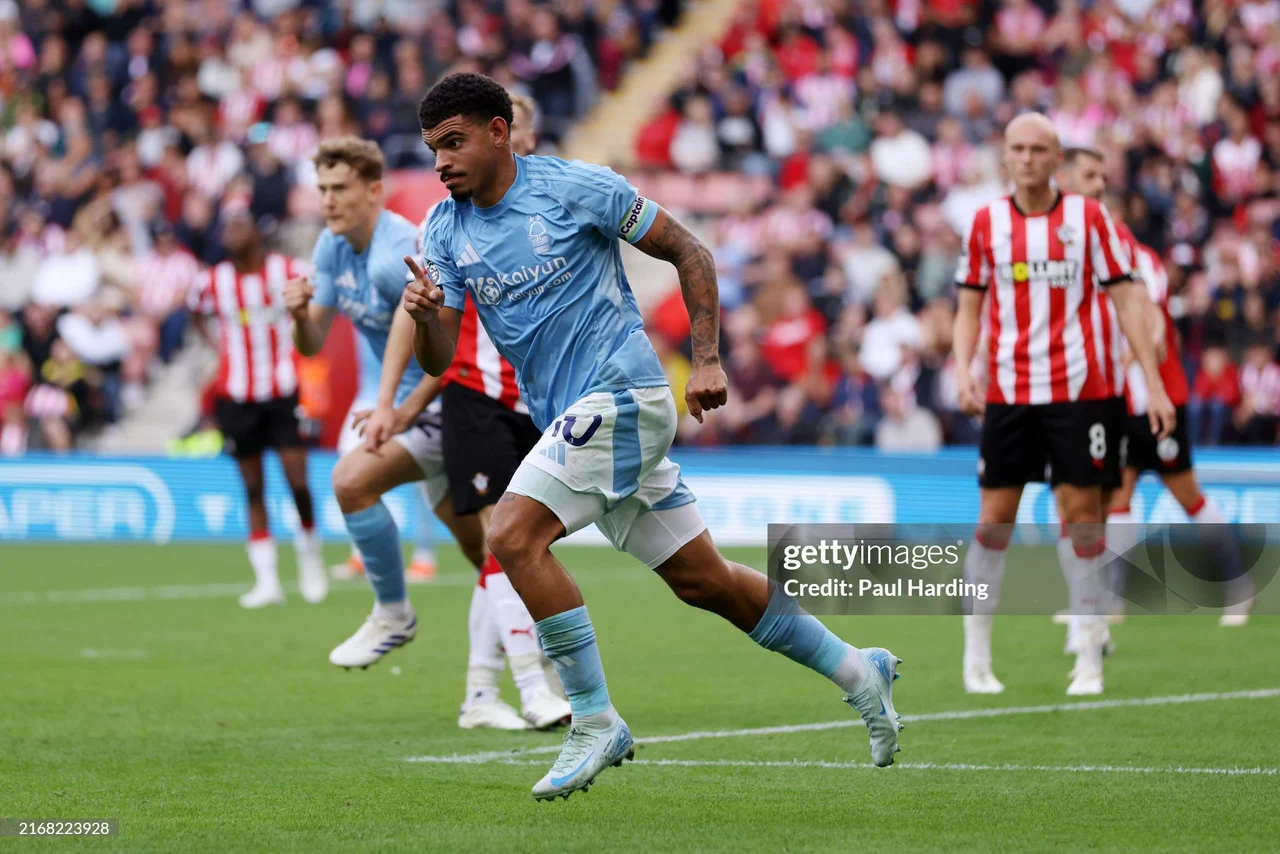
[535, 242]
[422, 566]
[358, 271]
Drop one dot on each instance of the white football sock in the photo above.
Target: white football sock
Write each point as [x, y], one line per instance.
[307, 544]
[262, 557]
[484, 659]
[982, 565]
[1209, 514]
[401, 612]
[1123, 535]
[1083, 574]
[519, 634]
[850, 671]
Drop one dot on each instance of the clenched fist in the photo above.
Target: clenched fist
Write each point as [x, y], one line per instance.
[708, 388]
[297, 294]
[422, 298]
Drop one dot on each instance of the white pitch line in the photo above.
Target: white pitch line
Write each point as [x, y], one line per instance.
[956, 715]
[935, 766]
[99, 595]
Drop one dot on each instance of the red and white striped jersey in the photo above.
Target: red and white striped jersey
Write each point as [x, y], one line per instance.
[1041, 274]
[166, 280]
[476, 364]
[1260, 386]
[1149, 266]
[257, 359]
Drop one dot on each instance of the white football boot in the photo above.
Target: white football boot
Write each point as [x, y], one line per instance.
[374, 639]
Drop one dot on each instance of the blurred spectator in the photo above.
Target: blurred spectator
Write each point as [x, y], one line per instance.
[1214, 396]
[1258, 411]
[904, 426]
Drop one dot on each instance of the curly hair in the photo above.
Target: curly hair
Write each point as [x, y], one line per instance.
[473, 96]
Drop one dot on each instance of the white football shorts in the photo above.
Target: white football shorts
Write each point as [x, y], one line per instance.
[423, 441]
[604, 461]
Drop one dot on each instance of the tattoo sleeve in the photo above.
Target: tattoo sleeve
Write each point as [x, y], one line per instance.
[669, 240]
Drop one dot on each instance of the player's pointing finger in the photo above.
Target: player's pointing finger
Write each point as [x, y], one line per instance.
[417, 271]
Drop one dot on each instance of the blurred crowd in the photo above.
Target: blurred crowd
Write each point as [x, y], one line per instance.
[878, 124]
[128, 128]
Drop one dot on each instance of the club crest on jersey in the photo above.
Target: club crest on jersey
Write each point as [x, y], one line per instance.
[1066, 235]
[538, 238]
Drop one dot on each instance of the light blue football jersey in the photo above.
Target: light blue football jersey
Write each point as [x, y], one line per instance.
[367, 288]
[369, 375]
[544, 268]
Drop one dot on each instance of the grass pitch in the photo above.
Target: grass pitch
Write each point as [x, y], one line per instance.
[134, 687]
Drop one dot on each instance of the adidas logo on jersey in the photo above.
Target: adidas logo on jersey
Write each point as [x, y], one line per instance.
[469, 256]
[555, 453]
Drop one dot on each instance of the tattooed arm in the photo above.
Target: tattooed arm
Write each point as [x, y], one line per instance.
[669, 240]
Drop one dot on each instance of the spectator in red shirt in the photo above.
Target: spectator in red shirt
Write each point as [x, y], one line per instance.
[788, 343]
[1215, 393]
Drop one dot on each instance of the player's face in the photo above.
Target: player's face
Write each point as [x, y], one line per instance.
[522, 140]
[1031, 153]
[238, 235]
[1087, 177]
[348, 201]
[467, 153]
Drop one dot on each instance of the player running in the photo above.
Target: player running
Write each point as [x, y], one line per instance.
[358, 272]
[1169, 458]
[422, 566]
[257, 397]
[487, 432]
[534, 242]
[1037, 257]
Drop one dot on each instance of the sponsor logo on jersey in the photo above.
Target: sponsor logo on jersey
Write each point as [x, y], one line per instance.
[488, 290]
[1056, 274]
[347, 281]
[469, 256]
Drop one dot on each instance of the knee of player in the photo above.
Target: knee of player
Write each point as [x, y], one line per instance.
[509, 539]
[349, 486]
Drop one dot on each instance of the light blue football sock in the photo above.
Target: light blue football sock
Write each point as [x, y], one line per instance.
[786, 628]
[375, 535]
[570, 642]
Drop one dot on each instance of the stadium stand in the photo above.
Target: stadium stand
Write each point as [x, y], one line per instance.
[840, 149]
[832, 151]
[129, 127]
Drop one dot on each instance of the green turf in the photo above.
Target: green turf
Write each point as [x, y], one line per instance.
[202, 727]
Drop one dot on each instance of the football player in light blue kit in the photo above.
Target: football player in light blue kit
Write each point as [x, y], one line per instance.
[535, 241]
[359, 271]
[422, 566]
